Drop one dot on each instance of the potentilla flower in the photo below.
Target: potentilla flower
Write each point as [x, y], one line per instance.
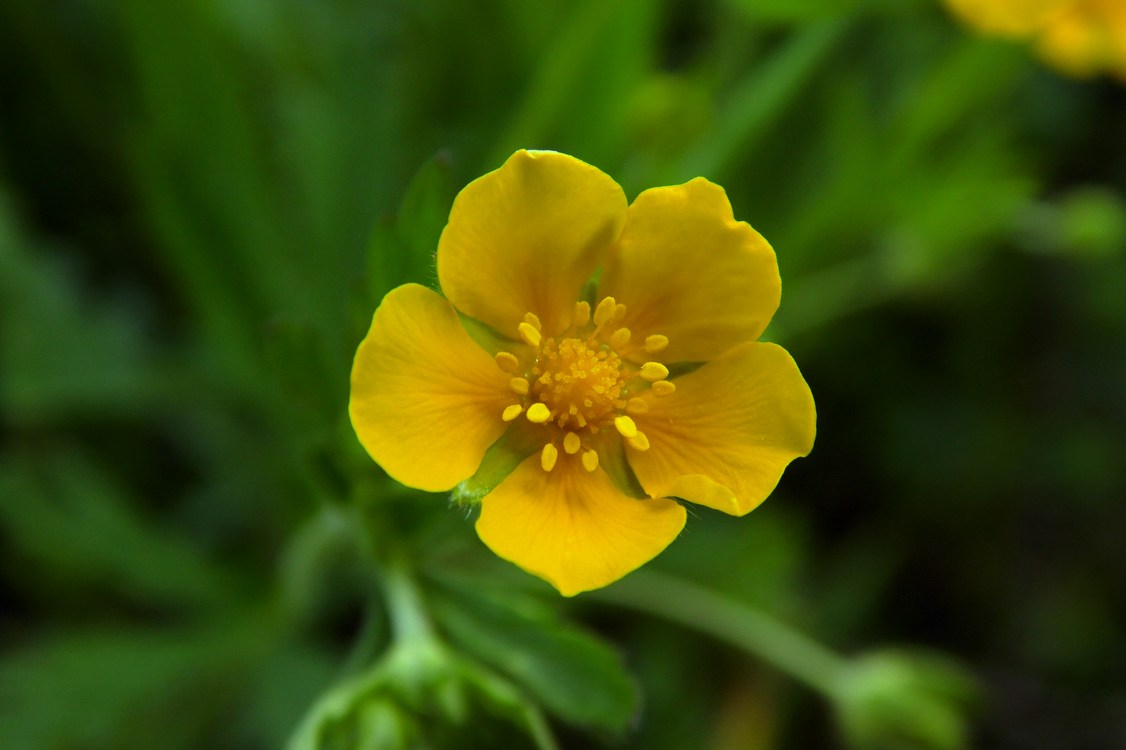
[1078, 37]
[648, 388]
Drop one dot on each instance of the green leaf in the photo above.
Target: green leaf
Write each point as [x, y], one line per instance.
[575, 676]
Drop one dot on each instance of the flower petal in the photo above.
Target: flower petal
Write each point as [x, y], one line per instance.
[526, 238]
[573, 528]
[687, 270]
[730, 429]
[426, 400]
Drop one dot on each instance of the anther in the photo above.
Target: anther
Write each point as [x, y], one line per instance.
[663, 387]
[507, 361]
[511, 412]
[653, 371]
[580, 316]
[620, 338]
[604, 313]
[538, 413]
[619, 311]
[637, 405]
[572, 443]
[519, 385]
[590, 460]
[656, 343]
[639, 441]
[529, 333]
[549, 456]
[533, 320]
[626, 426]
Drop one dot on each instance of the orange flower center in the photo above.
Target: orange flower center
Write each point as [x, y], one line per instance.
[584, 381]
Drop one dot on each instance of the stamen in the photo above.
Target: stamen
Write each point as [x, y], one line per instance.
[619, 311]
[572, 443]
[653, 371]
[580, 316]
[604, 313]
[538, 413]
[637, 405]
[639, 441]
[656, 343]
[533, 320]
[511, 412]
[626, 426]
[549, 456]
[663, 387]
[519, 385]
[620, 338]
[529, 333]
[590, 460]
[507, 361]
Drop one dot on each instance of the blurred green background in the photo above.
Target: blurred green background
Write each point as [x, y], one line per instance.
[201, 203]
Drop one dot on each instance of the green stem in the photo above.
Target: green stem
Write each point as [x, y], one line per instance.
[737, 624]
[409, 620]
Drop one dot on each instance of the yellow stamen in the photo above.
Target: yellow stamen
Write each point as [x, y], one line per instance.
[572, 443]
[639, 441]
[625, 426]
[653, 371]
[519, 385]
[549, 456]
[538, 413]
[620, 338]
[507, 361]
[590, 460]
[656, 343]
[580, 316]
[533, 320]
[663, 387]
[604, 313]
[637, 405]
[529, 333]
[619, 311]
[511, 412]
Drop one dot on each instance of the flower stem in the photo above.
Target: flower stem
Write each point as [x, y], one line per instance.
[741, 626]
[409, 621]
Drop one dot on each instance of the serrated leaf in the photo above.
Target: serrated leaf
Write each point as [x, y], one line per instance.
[575, 676]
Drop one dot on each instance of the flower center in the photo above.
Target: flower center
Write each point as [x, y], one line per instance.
[584, 381]
[579, 381]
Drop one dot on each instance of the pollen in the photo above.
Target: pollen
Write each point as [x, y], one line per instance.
[511, 412]
[626, 426]
[538, 413]
[663, 387]
[533, 320]
[620, 338]
[590, 460]
[548, 457]
[529, 333]
[639, 441]
[604, 313]
[637, 405]
[654, 371]
[572, 443]
[507, 361]
[581, 314]
[656, 343]
[579, 381]
[519, 385]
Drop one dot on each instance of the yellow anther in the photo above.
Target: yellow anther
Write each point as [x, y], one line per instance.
[663, 387]
[549, 456]
[619, 311]
[639, 441]
[507, 361]
[625, 425]
[637, 405]
[604, 313]
[519, 385]
[590, 460]
[529, 333]
[654, 371]
[580, 316]
[511, 412]
[656, 343]
[538, 413]
[533, 320]
[572, 443]
[620, 338]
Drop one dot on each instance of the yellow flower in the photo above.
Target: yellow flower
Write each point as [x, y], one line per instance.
[1078, 37]
[617, 420]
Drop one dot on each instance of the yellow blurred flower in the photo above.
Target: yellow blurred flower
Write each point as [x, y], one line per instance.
[593, 385]
[1078, 37]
